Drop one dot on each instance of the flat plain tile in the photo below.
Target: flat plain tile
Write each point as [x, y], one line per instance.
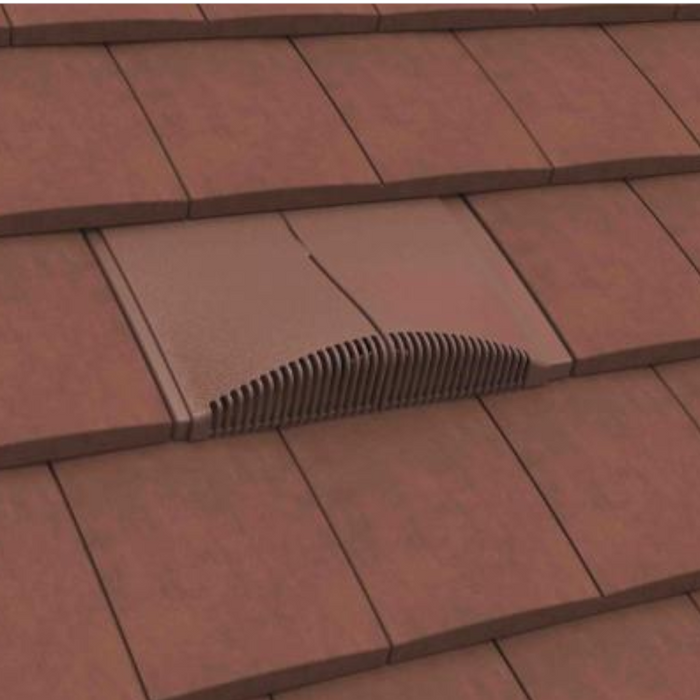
[668, 53]
[604, 269]
[226, 579]
[434, 16]
[215, 327]
[73, 380]
[58, 637]
[477, 673]
[648, 652]
[449, 536]
[586, 104]
[459, 136]
[429, 265]
[76, 149]
[289, 19]
[591, 13]
[77, 24]
[246, 124]
[683, 379]
[617, 458]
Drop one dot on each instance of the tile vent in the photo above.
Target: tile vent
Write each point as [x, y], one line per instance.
[369, 374]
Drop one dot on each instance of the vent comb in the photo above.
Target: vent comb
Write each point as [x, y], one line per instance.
[373, 373]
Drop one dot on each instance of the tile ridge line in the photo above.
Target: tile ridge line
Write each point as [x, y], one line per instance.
[99, 579]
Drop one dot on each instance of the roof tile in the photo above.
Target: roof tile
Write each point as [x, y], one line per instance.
[683, 379]
[591, 13]
[460, 134]
[449, 551]
[588, 107]
[224, 575]
[246, 124]
[617, 458]
[417, 16]
[4, 29]
[603, 268]
[72, 377]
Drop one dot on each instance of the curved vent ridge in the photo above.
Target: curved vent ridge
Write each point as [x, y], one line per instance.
[373, 373]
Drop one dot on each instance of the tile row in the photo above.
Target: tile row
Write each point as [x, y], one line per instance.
[235, 568]
[235, 126]
[78, 24]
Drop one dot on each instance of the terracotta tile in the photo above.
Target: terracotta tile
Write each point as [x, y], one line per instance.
[429, 265]
[289, 19]
[590, 127]
[246, 124]
[648, 652]
[604, 269]
[399, 16]
[617, 458]
[73, 380]
[214, 327]
[223, 572]
[58, 637]
[69, 24]
[449, 536]
[683, 379]
[58, 171]
[589, 13]
[669, 55]
[477, 673]
[688, 11]
[460, 134]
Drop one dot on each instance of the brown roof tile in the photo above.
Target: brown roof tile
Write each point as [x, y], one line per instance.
[246, 124]
[416, 16]
[603, 268]
[617, 458]
[460, 134]
[444, 528]
[72, 378]
[58, 637]
[588, 107]
[592, 13]
[224, 575]
[688, 11]
[683, 379]
[4, 29]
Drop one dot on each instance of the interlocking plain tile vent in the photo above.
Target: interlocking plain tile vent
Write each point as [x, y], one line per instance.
[372, 373]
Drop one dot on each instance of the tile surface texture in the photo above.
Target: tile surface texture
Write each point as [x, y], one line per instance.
[460, 134]
[449, 536]
[683, 379]
[58, 637]
[4, 29]
[592, 13]
[57, 168]
[225, 577]
[433, 16]
[586, 104]
[72, 377]
[617, 458]
[604, 269]
[246, 124]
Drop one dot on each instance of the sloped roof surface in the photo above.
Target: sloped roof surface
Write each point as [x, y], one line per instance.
[349, 351]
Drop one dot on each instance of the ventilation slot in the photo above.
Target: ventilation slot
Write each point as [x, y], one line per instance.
[370, 374]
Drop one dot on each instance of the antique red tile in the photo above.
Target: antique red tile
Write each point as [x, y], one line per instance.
[246, 124]
[255, 303]
[604, 269]
[428, 265]
[668, 53]
[648, 652]
[226, 578]
[460, 134]
[450, 538]
[418, 16]
[72, 377]
[289, 19]
[617, 458]
[58, 637]
[477, 673]
[589, 13]
[77, 24]
[58, 169]
[683, 379]
[590, 127]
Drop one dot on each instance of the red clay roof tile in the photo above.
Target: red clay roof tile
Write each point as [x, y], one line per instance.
[683, 379]
[225, 577]
[588, 107]
[617, 458]
[416, 16]
[4, 28]
[448, 535]
[246, 124]
[592, 13]
[58, 637]
[460, 134]
[72, 377]
[688, 11]
[603, 268]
